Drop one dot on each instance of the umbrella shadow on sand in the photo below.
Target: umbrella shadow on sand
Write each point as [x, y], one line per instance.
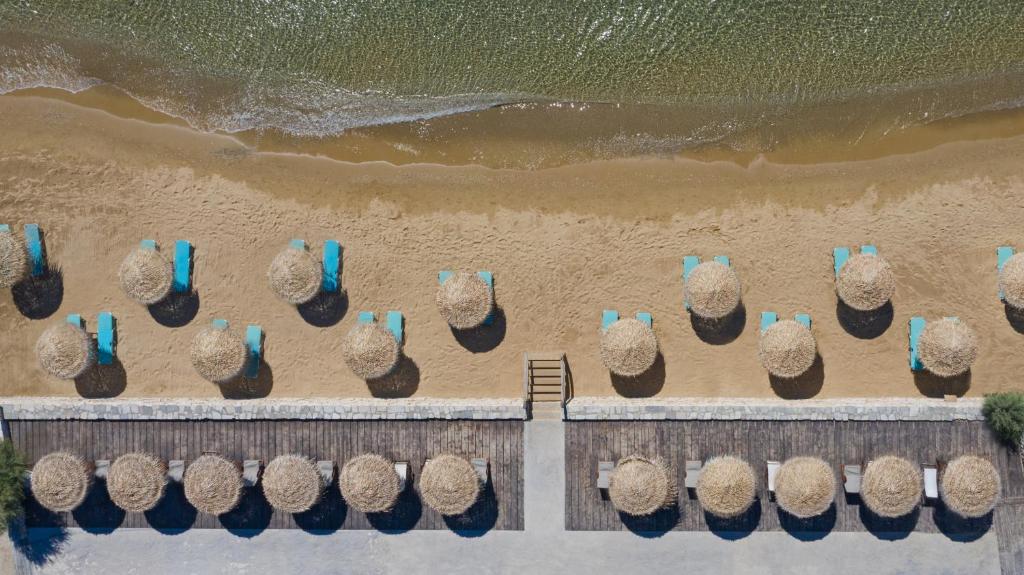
[39, 297]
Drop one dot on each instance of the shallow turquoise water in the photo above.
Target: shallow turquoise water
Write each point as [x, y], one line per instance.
[318, 66]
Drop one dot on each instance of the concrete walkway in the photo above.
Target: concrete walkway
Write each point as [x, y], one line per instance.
[544, 547]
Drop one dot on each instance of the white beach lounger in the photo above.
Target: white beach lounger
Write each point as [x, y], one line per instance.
[851, 478]
[102, 468]
[250, 472]
[604, 474]
[481, 466]
[693, 469]
[773, 470]
[931, 481]
[175, 470]
[402, 469]
[326, 469]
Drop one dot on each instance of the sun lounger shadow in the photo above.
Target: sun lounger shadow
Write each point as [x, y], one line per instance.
[865, 324]
[403, 517]
[810, 529]
[177, 309]
[931, 385]
[327, 516]
[251, 517]
[804, 386]
[889, 529]
[327, 308]
[40, 545]
[654, 525]
[246, 388]
[39, 297]
[102, 381]
[735, 528]
[173, 514]
[960, 529]
[98, 514]
[647, 384]
[720, 331]
[478, 519]
[1015, 316]
[402, 382]
[485, 337]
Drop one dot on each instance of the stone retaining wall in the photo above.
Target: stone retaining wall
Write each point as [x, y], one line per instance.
[320, 408]
[881, 409]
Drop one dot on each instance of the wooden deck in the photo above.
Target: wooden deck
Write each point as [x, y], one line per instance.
[500, 506]
[757, 441]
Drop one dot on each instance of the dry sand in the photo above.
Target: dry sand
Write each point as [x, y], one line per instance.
[563, 244]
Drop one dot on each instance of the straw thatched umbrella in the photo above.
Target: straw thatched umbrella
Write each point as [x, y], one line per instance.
[787, 349]
[146, 276]
[449, 484]
[891, 486]
[805, 487]
[65, 351]
[726, 486]
[947, 347]
[292, 483]
[369, 483]
[629, 347]
[218, 354]
[970, 486]
[295, 276]
[371, 350]
[13, 260]
[712, 290]
[865, 282]
[136, 481]
[60, 481]
[1011, 281]
[213, 484]
[465, 300]
[641, 486]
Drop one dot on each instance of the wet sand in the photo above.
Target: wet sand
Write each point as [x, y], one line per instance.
[563, 243]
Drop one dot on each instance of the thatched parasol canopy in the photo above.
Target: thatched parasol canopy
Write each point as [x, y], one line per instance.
[136, 481]
[146, 276]
[787, 349]
[712, 290]
[947, 347]
[726, 486]
[865, 282]
[641, 486]
[465, 300]
[218, 354]
[1011, 281]
[805, 487]
[371, 350]
[970, 486]
[292, 483]
[891, 486]
[13, 260]
[449, 484]
[369, 483]
[65, 351]
[60, 481]
[629, 347]
[295, 276]
[213, 484]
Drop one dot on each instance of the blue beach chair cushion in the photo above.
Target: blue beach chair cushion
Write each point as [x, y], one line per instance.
[917, 325]
[34, 244]
[645, 317]
[608, 317]
[106, 338]
[182, 266]
[767, 319]
[395, 323]
[366, 317]
[332, 267]
[254, 347]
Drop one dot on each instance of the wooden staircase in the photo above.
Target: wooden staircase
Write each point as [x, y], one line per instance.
[545, 378]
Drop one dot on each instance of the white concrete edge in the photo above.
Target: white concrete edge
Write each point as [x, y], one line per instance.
[48, 408]
[842, 409]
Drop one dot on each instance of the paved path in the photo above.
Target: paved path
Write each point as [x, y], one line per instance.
[543, 548]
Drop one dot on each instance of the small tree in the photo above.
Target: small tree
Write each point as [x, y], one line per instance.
[1004, 413]
[12, 486]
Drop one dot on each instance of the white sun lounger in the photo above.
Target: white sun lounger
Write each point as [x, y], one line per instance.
[851, 478]
[931, 481]
[250, 472]
[481, 466]
[326, 469]
[102, 468]
[772, 471]
[604, 474]
[402, 469]
[693, 470]
[175, 470]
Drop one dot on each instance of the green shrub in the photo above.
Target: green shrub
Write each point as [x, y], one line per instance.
[12, 483]
[1004, 413]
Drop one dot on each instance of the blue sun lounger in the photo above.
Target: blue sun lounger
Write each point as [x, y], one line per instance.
[691, 262]
[182, 266]
[395, 323]
[366, 317]
[1003, 254]
[220, 324]
[254, 347]
[4, 228]
[767, 319]
[297, 244]
[608, 317]
[75, 319]
[645, 317]
[148, 245]
[840, 255]
[488, 278]
[804, 319]
[916, 327]
[106, 338]
[332, 267]
[34, 245]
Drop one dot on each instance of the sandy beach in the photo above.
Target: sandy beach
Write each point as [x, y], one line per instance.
[563, 243]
